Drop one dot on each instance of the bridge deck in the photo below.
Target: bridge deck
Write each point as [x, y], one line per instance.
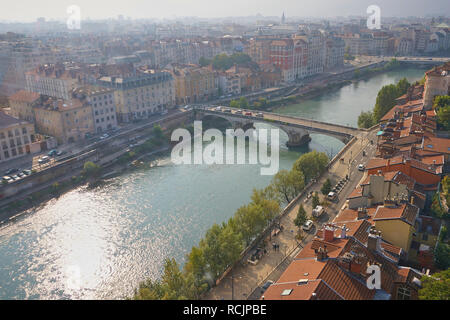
[307, 124]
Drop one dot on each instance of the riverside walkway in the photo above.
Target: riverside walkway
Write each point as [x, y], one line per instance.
[244, 281]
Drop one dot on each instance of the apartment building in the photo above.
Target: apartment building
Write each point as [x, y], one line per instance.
[52, 80]
[142, 94]
[193, 84]
[16, 137]
[66, 120]
[103, 106]
[21, 104]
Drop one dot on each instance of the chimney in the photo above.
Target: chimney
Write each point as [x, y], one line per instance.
[328, 233]
[362, 213]
[322, 253]
[313, 296]
[372, 242]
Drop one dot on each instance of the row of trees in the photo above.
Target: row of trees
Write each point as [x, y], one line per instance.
[224, 61]
[223, 243]
[385, 102]
[242, 103]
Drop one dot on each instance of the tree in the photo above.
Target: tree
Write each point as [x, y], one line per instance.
[402, 86]
[441, 105]
[204, 62]
[365, 119]
[301, 216]
[442, 256]
[326, 187]
[288, 184]
[436, 287]
[234, 104]
[91, 169]
[315, 200]
[311, 164]
[385, 101]
[243, 103]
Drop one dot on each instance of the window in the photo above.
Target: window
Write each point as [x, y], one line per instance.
[425, 237]
[403, 293]
[24, 130]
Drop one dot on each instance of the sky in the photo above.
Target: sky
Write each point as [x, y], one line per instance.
[29, 10]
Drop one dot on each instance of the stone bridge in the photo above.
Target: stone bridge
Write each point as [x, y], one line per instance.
[297, 129]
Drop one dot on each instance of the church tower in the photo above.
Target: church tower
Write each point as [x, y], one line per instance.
[283, 18]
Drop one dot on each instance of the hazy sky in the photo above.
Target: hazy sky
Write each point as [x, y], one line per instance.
[29, 10]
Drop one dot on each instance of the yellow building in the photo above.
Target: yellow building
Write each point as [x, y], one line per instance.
[67, 121]
[16, 137]
[21, 104]
[396, 223]
[193, 84]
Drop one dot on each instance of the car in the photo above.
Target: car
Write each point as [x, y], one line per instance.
[104, 136]
[164, 112]
[260, 115]
[238, 111]
[60, 153]
[9, 171]
[248, 114]
[218, 108]
[187, 107]
[307, 225]
[266, 286]
[15, 177]
[227, 110]
[27, 172]
[44, 159]
[21, 174]
[361, 167]
[52, 152]
[7, 179]
[332, 196]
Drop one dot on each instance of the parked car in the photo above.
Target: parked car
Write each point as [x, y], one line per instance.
[332, 196]
[238, 111]
[27, 172]
[361, 167]
[7, 179]
[260, 115]
[227, 110]
[266, 286]
[44, 159]
[15, 177]
[318, 211]
[52, 152]
[60, 153]
[307, 225]
[104, 136]
[9, 171]
[248, 114]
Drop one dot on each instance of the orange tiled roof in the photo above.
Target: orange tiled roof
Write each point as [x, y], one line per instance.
[405, 212]
[24, 96]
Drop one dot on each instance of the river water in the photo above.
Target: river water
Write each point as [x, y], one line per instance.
[100, 243]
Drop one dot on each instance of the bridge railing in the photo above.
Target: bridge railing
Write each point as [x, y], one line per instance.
[288, 123]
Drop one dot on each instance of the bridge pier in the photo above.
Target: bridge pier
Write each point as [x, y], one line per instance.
[297, 139]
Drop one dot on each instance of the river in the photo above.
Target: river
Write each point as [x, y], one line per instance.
[100, 243]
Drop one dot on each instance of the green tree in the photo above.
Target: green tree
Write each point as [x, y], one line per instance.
[204, 62]
[441, 105]
[315, 200]
[288, 184]
[436, 287]
[234, 104]
[442, 256]
[365, 119]
[385, 101]
[326, 187]
[91, 169]
[402, 86]
[243, 103]
[301, 217]
[311, 164]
